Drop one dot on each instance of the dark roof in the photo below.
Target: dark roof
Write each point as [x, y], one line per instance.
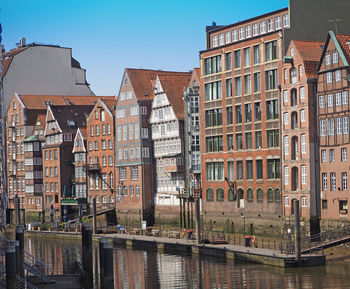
[7, 59]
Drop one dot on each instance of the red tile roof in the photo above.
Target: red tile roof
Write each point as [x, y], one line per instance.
[310, 52]
[7, 59]
[173, 85]
[343, 40]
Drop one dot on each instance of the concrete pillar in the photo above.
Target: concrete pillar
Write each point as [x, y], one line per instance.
[198, 221]
[86, 237]
[297, 231]
[108, 278]
[94, 214]
[20, 239]
[10, 260]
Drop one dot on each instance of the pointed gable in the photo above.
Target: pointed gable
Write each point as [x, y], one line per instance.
[79, 145]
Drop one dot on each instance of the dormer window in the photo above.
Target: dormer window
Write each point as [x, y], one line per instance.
[102, 115]
[292, 52]
[14, 105]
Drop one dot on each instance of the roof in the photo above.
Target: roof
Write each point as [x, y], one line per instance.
[31, 138]
[141, 81]
[197, 71]
[70, 117]
[343, 39]
[310, 52]
[7, 59]
[173, 85]
[40, 102]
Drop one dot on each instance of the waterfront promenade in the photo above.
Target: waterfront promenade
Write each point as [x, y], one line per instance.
[178, 245]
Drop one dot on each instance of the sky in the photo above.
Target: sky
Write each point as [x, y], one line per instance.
[107, 36]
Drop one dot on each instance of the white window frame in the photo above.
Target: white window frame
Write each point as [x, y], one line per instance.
[323, 156]
[321, 101]
[344, 154]
[338, 75]
[302, 115]
[303, 202]
[303, 143]
[255, 29]
[345, 97]
[322, 127]
[330, 100]
[344, 181]
[286, 175]
[329, 76]
[324, 181]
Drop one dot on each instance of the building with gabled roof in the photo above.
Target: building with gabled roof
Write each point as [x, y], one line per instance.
[300, 142]
[333, 119]
[167, 120]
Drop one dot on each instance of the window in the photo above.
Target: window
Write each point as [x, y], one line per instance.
[270, 25]
[322, 127]
[241, 33]
[286, 201]
[96, 114]
[293, 75]
[214, 143]
[238, 114]
[237, 56]
[260, 195]
[323, 156]
[273, 138]
[229, 115]
[250, 196]
[248, 112]
[258, 140]
[286, 145]
[137, 190]
[300, 71]
[303, 143]
[302, 115]
[335, 57]
[246, 56]
[259, 169]
[286, 175]
[255, 29]
[249, 169]
[143, 110]
[270, 195]
[328, 59]
[346, 125]
[215, 41]
[338, 75]
[229, 142]
[303, 202]
[228, 61]
[110, 161]
[212, 65]
[247, 84]
[272, 111]
[239, 141]
[213, 90]
[333, 181]
[248, 31]
[271, 50]
[213, 117]
[303, 175]
[285, 20]
[339, 125]
[329, 77]
[262, 27]
[344, 177]
[230, 168]
[229, 87]
[110, 144]
[277, 195]
[345, 97]
[344, 155]
[228, 37]
[324, 204]
[215, 171]
[248, 140]
[239, 170]
[234, 35]
[104, 181]
[271, 79]
[257, 111]
[302, 92]
[220, 195]
[91, 130]
[210, 195]
[330, 100]
[257, 82]
[321, 101]
[104, 161]
[285, 96]
[134, 173]
[122, 173]
[273, 168]
[331, 155]
[221, 39]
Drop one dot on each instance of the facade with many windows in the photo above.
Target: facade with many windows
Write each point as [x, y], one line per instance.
[300, 160]
[167, 120]
[333, 118]
[240, 115]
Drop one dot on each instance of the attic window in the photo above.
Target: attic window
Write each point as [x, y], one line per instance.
[71, 122]
[126, 81]
[291, 52]
[68, 102]
[46, 102]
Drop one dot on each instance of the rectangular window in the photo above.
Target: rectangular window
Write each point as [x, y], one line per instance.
[246, 56]
[259, 169]
[285, 118]
[134, 173]
[330, 100]
[286, 175]
[345, 97]
[338, 75]
[272, 110]
[228, 61]
[228, 37]
[302, 115]
[229, 115]
[230, 168]
[331, 155]
[256, 52]
[229, 142]
[215, 171]
[344, 155]
[248, 140]
[262, 27]
[303, 175]
[273, 138]
[214, 144]
[238, 114]
[248, 112]
[328, 59]
[346, 125]
[213, 90]
[329, 77]
[286, 145]
[339, 126]
[344, 177]
[122, 173]
[278, 22]
[258, 140]
[249, 169]
[239, 170]
[234, 35]
[255, 29]
[303, 202]
[271, 50]
[271, 79]
[241, 33]
[333, 181]
[221, 39]
[229, 87]
[321, 101]
[213, 117]
[247, 84]
[338, 99]
[285, 20]
[257, 111]
[273, 168]
[257, 82]
[248, 31]
[239, 141]
[212, 65]
[270, 25]
[324, 181]
[322, 127]
[237, 55]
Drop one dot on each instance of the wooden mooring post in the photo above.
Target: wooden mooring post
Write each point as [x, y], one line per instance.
[86, 238]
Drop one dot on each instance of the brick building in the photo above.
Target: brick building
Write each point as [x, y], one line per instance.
[100, 153]
[300, 157]
[135, 177]
[333, 106]
[167, 120]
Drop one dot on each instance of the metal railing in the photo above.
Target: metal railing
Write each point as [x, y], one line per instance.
[37, 267]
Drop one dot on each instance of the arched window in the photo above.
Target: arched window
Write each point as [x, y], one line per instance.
[295, 177]
[220, 195]
[277, 195]
[295, 148]
[102, 115]
[231, 194]
[260, 195]
[294, 120]
[293, 97]
[270, 195]
[250, 195]
[210, 195]
[293, 75]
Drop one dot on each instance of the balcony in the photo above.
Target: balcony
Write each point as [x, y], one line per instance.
[93, 168]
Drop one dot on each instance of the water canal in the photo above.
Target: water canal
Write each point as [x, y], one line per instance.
[150, 269]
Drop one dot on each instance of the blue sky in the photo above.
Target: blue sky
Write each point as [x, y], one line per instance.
[109, 35]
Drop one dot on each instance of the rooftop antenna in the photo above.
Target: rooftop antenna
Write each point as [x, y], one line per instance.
[335, 21]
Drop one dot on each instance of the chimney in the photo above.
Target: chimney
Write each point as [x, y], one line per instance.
[22, 42]
[214, 24]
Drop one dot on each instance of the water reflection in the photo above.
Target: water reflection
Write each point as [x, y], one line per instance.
[148, 269]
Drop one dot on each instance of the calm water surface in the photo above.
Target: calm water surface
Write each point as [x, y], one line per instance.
[149, 269]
